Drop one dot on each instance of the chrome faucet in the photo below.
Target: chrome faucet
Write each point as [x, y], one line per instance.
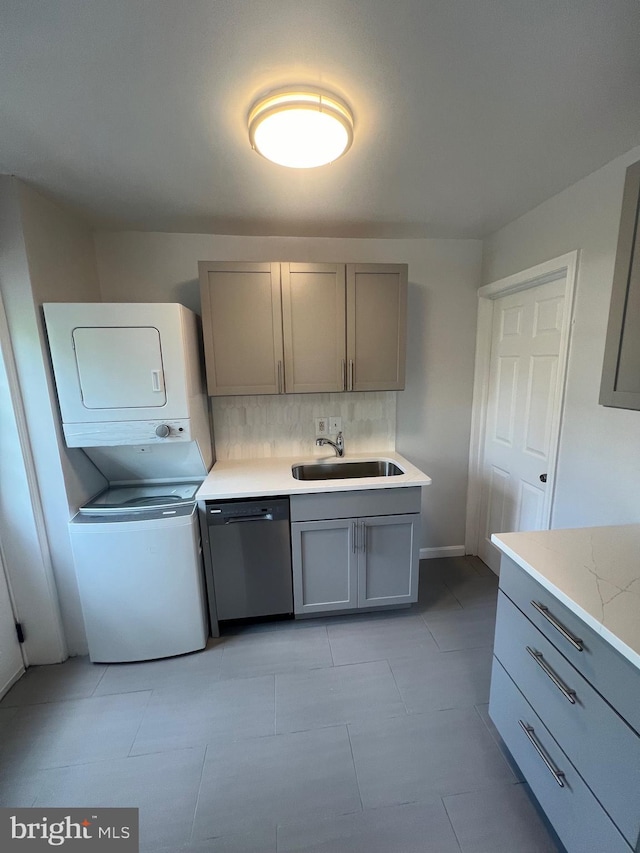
[338, 444]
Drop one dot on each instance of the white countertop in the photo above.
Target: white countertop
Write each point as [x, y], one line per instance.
[594, 571]
[248, 478]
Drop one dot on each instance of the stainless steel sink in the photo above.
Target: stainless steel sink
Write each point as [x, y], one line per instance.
[346, 470]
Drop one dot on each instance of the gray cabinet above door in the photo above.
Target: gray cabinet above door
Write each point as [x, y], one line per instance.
[620, 385]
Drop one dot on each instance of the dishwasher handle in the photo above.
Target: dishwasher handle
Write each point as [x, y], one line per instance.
[237, 519]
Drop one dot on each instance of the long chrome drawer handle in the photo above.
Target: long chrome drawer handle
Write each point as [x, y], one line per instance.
[558, 775]
[567, 692]
[544, 611]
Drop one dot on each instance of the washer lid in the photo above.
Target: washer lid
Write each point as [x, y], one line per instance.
[119, 499]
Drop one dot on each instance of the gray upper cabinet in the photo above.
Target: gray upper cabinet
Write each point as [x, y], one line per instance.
[313, 327]
[376, 326]
[242, 327]
[620, 385]
[274, 328]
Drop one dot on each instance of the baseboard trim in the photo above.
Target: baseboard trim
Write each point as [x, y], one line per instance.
[445, 551]
[6, 687]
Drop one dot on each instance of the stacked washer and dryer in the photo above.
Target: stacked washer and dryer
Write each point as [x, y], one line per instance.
[131, 395]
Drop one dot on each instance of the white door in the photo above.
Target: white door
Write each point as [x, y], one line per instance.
[11, 663]
[119, 368]
[521, 423]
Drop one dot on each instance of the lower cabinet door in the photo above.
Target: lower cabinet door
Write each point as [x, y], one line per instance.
[324, 562]
[572, 809]
[388, 556]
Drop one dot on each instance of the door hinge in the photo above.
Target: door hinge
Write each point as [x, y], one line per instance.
[20, 632]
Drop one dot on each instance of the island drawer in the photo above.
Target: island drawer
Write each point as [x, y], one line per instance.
[572, 809]
[612, 675]
[356, 503]
[600, 745]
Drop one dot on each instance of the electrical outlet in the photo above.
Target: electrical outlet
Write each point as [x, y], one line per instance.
[335, 425]
[321, 427]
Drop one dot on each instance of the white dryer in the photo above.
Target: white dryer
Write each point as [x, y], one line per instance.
[129, 374]
[139, 567]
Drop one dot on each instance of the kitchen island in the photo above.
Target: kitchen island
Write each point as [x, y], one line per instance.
[565, 688]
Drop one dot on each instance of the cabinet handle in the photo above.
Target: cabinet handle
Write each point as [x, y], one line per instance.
[279, 377]
[567, 692]
[363, 537]
[576, 642]
[558, 775]
[344, 375]
[156, 380]
[353, 537]
[350, 374]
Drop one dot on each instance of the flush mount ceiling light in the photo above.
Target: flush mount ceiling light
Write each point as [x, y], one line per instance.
[300, 127]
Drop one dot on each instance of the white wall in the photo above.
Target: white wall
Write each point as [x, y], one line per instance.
[50, 258]
[598, 480]
[433, 413]
[25, 552]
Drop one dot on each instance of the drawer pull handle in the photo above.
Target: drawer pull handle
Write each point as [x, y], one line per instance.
[558, 775]
[567, 692]
[544, 611]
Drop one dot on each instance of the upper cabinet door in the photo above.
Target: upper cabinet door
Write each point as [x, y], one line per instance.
[313, 315]
[119, 368]
[620, 385]
[376, 326]
[242, 327]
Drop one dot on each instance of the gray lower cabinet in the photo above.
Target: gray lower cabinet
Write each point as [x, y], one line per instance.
[566, 704]
[346, 562]
[325, 566]
[388, 557]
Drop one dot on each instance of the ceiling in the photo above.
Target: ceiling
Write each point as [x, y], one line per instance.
[468, 113]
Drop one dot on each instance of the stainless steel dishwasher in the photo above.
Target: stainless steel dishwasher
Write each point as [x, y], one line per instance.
[249, 565]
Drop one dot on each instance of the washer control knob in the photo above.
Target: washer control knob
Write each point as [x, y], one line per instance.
[162, 431]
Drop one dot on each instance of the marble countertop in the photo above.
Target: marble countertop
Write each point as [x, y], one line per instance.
[248, 478]
[594, 571]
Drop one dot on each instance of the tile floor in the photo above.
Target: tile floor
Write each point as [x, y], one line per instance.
[362, 734]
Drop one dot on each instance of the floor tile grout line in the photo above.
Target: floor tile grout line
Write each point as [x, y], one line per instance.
[497, 745]
[197, 803]
[431, 634]
[142, 716]
[326, 628]
[355, 768]
[400, 693]
[453, 829]
[106, 669]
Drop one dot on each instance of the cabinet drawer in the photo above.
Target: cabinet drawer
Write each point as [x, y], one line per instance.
[601, 746]
[612, 675]
[572, 809]
[356, 503]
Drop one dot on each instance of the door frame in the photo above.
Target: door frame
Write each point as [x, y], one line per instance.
[4, 688]
[548, 271]
[58, 644]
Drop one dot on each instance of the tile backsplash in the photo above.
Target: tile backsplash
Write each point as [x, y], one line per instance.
[283, 425]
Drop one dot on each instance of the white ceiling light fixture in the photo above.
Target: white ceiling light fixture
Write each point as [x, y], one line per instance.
[301, 127]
